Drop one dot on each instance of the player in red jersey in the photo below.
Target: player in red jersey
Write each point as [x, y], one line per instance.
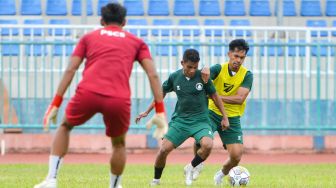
[110, 53]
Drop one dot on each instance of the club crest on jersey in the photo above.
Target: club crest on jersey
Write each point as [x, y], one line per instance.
[199, 86]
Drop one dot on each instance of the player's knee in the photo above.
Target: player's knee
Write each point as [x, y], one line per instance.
[207, 146]
[118, 142]
[164, 151]
[235, 158]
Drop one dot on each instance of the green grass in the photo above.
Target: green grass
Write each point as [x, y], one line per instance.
[72, 176]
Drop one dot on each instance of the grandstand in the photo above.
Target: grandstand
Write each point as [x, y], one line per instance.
[292, 55]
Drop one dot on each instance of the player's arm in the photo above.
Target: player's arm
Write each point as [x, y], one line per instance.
[211, 72]
[218, 102]
[148, 110]
[51, 113]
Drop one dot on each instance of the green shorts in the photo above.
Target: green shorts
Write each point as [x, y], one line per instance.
[180, 130]
[232, 135]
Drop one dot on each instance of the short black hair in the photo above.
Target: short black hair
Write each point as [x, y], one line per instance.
[239, 44]
[113, 13]
[191, 55]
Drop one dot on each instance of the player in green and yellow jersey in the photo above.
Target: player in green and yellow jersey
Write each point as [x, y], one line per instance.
[233, 83]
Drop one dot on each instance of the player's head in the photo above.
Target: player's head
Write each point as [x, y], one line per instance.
[238, 49]
[113, 13]
[190, 62]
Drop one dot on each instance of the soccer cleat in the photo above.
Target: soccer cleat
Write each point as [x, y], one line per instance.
[218, 178]
[155, 182]
[188, 172]
[48, 183]
[197, 170]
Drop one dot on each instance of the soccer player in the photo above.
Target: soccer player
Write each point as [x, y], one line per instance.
[233, 83]
[190, 118]
[110, 53]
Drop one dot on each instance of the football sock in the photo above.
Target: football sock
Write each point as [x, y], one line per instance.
[196, 161]
[114, 180]
[157, 172]
[54, 164]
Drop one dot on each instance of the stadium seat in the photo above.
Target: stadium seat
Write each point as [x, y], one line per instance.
[334, 25]
[260, 8]
[35, 31]
[209, 8]
[251, 49]
[158, 8]
[272, 50]
[311, 8]
[10, 49]
[288, 8]
[138, 22]
[184, 8]
[331, 8]
[317, 23]
[234, 8]
[76, 9]
[219, 48]
[100, 4]
[62, 49]
[240, 32]
[323, 50]
[35, 49]
[7, 7]
[189, 22]
[31, 7]
[165, 50]
[59, 31]
[292, 50]
[162, 22]
[214, 22]
[56, 7]
[8, 31]
[134, 7]
[187, 44]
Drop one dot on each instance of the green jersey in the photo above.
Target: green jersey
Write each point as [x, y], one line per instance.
[192, 100]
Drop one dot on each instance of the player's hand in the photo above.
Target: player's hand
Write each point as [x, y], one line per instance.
[51, 113]
[159, 119]
[225, 123]
[205, 74]
[140, 116]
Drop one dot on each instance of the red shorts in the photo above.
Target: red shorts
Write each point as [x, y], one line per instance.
[116, 111]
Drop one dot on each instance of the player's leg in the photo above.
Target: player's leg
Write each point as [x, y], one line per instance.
[160, 161]
[78, 111]
[116, 114]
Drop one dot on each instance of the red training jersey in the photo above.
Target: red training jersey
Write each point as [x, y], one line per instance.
[110, 53]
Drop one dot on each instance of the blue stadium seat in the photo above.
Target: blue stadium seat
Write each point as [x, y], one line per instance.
[214, 22]
[239, 32]
[31, 7]
[7, 31]
[292, 50]
[260, 8]
[10, 49]
[35, 49]
[62, 49]
[234, 8]
[7, 7]
[189, 22]
[317, 23]
[331, 8]
[288, 8]
[158, 8]
[272, 50]
[134, 7]
[334, 25]
[218, 49]
[60, 31]
[187, 44]
[76, 8]
[184, 8]
[139, 22]
[323, 51]
[251, 49]
[165, 50]
[209, 8]
[56, 7]
[100, 4]
[35, 31]
[311, 8]
[161, 22]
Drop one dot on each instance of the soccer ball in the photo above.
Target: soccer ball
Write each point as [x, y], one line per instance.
[238, 176]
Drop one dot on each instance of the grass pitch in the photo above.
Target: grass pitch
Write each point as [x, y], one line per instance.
[87, 176]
